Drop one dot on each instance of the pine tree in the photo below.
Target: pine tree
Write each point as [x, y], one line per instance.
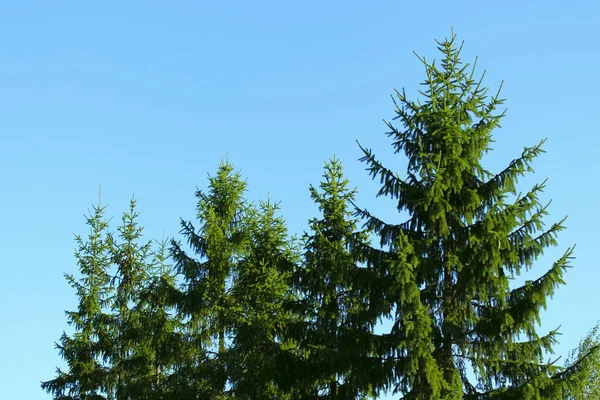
[84, 351]
[468, 234]
[335, 294]
[205, 301]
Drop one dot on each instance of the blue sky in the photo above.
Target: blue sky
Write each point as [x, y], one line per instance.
[147, 97]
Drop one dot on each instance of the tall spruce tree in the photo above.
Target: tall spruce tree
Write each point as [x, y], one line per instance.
[206, 301]
[88, 376]
[130, 272]
[260, 293]
[335, 294]
[469, 232]
[160, 328]
[140, 325]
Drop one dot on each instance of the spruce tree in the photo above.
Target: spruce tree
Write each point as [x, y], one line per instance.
[160, 327]
[469, 232]
[140, 325]
[585, 359]
[130, 260]
[260, 293]
[114, 352]
[334, 291]
[205, 302]
[88, 376]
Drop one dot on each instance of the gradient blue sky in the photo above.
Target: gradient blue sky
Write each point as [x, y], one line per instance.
[146, 97]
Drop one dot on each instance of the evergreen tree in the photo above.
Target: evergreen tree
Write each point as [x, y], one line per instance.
[467, 235]
[206, 301]
[141, 326]
[335, 294]
[130, 272]
[87, 377]
[585, 359]
[260, 292]
[160, 329]
[114, 352]
[247, 318]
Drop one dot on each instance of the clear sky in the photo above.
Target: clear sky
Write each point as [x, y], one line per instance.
[146, 97]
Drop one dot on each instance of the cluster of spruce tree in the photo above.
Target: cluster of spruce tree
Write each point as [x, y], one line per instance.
[237, 309]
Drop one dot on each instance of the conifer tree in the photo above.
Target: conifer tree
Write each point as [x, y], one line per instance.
[335, 293]
[84, 351]
[469, 232]
[260, 292]
[139, 324]
[205, 301]
[130, 272]
[114, 353]
[160, 329]
[586, 351]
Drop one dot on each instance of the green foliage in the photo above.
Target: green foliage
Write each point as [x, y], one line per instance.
[112, 353]
[334, 294]
[143, 322]
[87, 376]
[246, 312]
[206, 300]
[585, 361]
[234, 292]
[260, 290]
[467, 235]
